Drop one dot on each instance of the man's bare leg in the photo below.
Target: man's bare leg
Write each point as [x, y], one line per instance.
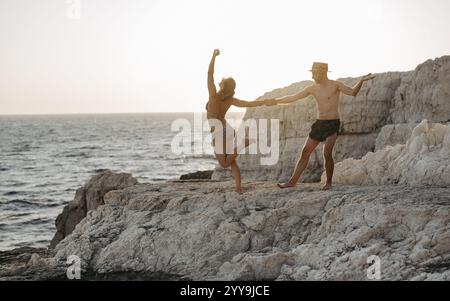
[237, 176]
[329, 161]
[308, 148]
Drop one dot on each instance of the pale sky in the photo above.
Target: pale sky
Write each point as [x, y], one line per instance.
[152, 56]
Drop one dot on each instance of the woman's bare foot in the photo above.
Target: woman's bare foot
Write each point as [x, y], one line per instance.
[285, 185]
[327, 186]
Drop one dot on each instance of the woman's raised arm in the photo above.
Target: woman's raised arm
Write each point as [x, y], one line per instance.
[211, 86]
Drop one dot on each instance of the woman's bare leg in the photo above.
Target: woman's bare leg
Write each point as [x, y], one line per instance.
[231, 157]
[229, 160]
[225, 161]
[222, 159]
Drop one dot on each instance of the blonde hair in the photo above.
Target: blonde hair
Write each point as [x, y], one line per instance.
[229, 85]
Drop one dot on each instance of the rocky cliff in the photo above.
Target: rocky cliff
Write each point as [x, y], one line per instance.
[206, 231]
[396, 100]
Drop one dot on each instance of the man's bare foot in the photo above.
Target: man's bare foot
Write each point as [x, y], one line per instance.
[285, 185]
[239, 190]
[327, 186]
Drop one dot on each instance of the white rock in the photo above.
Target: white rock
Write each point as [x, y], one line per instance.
[266, 234]
[423, 160]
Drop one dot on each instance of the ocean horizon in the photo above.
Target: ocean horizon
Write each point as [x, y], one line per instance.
[44, 158]
[230, 113]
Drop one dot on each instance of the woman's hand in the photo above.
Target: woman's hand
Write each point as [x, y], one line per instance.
[211, 86]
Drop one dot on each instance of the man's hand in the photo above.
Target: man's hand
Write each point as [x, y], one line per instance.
[216, 52]
[367, 77]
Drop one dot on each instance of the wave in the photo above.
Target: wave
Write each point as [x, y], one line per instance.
[13, 154]
[43, 185]
[37, 221]
[90, 147]
[203, 156]
[158, 179]
[76, 155]
[25, 204]
[9, 193]
[9, 216]
[24, 148]
[19, 202]
[16, 184]
[99, 170]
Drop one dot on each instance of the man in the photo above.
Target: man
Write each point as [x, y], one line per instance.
[327, 95]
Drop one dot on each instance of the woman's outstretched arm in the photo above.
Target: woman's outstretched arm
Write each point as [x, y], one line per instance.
[250, 104]
[211, 86]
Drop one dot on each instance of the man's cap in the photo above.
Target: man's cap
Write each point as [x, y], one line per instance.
[320, 66]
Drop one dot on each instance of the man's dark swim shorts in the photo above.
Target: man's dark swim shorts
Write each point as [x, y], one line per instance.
[322, 129]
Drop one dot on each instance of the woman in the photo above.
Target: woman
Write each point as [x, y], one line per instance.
[218, 104]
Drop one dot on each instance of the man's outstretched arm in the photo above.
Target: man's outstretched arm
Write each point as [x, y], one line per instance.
[211, 86]
[355, 90]
[288, 99]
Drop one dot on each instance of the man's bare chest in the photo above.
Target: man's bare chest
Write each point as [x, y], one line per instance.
[326, 94]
